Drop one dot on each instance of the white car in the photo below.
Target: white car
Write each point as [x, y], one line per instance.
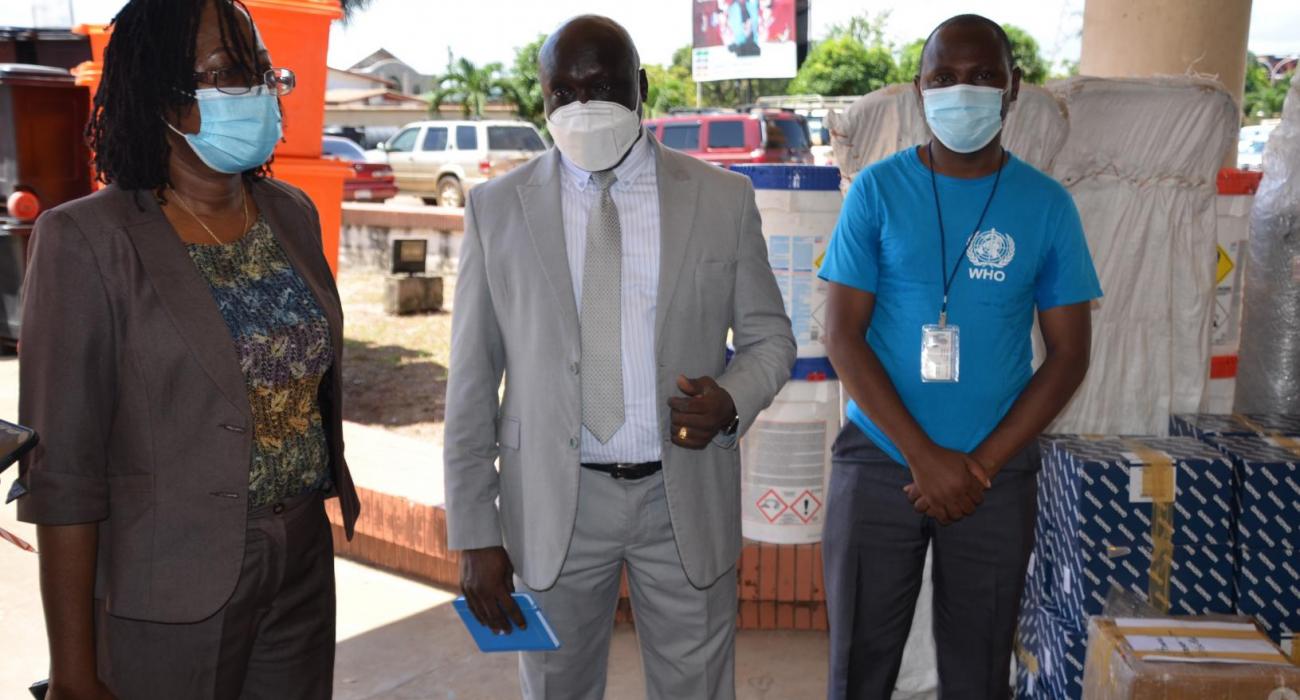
[1251, 143]
[441, 161]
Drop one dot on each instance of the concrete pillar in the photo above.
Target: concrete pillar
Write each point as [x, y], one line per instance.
[1139, 38]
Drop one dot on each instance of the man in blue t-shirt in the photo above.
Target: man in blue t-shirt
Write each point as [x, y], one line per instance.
[942, 255]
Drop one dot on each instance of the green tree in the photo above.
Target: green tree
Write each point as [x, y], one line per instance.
[868, 30]
[1065, 69]
[468, 85]
[909, 61]
[524, 87]
[724, 93]
[1024, 53]
[668, 90]
[1263, 96]
[844, 66]
[1024, 49]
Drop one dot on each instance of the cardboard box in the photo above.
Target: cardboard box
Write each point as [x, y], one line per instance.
[1051, 651]
[1096, 486]
[1203, 425]
[1080, 574]
[1050, 646]
[1268, 589]
[1124, 661]
[1097, 526]
[1266, 489]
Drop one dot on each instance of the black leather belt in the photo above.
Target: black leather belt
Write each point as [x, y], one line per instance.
[631, 472]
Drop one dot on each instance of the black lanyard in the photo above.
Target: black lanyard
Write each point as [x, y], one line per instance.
[947, 278]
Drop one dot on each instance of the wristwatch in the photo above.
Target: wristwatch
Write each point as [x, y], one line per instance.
[733, 425]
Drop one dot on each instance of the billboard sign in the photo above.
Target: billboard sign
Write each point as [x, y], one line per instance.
[737, 39]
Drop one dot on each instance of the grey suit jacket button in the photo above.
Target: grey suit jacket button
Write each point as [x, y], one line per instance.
[575, 368]
[573, 442]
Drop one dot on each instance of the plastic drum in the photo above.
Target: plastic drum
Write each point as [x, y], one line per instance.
[800, 205]
[786, 455]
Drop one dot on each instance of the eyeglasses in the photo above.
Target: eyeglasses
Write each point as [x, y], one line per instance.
[233, 81]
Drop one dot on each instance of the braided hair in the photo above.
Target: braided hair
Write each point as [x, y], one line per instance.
[148, 75]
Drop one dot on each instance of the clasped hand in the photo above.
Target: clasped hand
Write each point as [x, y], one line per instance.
[947, 485]
[698, 416]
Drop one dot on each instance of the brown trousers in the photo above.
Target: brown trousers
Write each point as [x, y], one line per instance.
[274, 638]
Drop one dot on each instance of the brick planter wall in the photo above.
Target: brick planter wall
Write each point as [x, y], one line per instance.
[780, 585]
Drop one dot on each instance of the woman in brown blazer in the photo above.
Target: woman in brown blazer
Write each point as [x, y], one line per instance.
[181, 350]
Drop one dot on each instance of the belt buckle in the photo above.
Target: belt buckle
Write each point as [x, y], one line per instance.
[620, 471]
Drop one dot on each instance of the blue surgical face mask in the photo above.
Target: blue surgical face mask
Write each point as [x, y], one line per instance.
[238, 132]
[965, 118]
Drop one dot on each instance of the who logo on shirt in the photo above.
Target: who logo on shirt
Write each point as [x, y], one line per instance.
[989, 253]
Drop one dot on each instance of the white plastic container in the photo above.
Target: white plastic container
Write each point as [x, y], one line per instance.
[785, 458]
[800, 205]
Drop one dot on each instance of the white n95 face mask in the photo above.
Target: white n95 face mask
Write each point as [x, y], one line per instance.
[594, 135]
[965, 118]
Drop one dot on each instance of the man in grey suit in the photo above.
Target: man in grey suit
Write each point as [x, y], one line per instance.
[602, 279]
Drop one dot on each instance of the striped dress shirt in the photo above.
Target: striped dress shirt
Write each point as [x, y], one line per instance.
[636, 194]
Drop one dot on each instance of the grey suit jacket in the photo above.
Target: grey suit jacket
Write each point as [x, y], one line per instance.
[515, 315]
[129, 374]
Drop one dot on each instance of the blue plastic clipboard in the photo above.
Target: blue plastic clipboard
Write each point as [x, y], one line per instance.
[537, 637]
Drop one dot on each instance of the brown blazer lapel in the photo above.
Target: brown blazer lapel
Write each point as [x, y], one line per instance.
[187, 298]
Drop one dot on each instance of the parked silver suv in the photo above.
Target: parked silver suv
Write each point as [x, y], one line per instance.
[440, 161]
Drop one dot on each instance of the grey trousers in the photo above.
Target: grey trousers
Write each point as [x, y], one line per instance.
[274, 639]
[687, 635]
[874, 548]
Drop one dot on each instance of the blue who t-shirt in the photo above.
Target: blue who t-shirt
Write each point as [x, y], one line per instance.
[1030, 253]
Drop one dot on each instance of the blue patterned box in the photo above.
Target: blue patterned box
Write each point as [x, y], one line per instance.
[1081, 574]
[1092, 537]
[1094, 487]
[1267, 504]
[1268, 589]
[1203, 425]
[1050, 654]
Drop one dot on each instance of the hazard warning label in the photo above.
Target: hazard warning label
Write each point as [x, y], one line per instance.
[1224, 266]
[806, 506]
[771, 505]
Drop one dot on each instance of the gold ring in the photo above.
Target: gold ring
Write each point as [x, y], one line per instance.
[681, 434]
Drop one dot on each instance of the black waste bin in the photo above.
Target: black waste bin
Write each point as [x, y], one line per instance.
[14, 238]
[43, 152]
[59, 48]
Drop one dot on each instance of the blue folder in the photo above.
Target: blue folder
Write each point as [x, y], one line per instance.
[537, 637]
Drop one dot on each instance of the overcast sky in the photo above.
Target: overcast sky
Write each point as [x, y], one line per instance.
[421, 31]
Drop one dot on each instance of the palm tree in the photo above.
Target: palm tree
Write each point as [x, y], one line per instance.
[470, 85]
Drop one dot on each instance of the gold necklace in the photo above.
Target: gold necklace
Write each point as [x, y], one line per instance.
[185, 205]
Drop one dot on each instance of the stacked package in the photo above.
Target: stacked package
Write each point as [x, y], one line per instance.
[1148, 515]
[1141, 160]
[1265, 452]
[1189, 658]
[1268, 378]
[1050, 649]
[1203, 425]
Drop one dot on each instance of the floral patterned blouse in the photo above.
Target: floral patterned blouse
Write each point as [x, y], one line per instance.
[283, 342]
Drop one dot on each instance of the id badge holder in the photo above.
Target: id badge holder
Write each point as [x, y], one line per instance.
[940, 353]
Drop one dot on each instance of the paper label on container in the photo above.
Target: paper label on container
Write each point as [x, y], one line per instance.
[1197, 641]
[1144, 487]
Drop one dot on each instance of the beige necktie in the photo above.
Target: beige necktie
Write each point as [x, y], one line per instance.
[602, 316]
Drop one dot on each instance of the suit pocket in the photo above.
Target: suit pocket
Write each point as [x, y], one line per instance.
[715, 283]
[508, 433]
